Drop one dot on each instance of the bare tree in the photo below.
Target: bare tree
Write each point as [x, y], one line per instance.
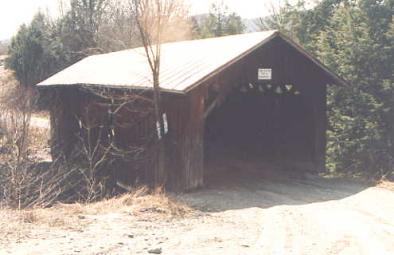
[24, 182]
[275, 20]
[153, 20]
[99, 147]
[15, 112]
[118, 31]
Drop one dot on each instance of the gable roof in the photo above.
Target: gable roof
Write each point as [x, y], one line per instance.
[184, 65]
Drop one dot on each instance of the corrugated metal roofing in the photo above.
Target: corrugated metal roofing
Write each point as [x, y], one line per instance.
[183, 64]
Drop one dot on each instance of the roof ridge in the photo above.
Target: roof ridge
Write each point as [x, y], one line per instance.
[192, 40]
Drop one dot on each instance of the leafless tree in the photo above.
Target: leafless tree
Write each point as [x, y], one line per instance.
[23, 182]
[15, 112]
[154, 18]
[107, 113]
[277, 17]
[118, 31]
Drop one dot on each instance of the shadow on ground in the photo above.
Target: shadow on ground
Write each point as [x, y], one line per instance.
[234, 185]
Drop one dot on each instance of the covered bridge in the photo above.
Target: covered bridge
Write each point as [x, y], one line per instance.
[254, 95]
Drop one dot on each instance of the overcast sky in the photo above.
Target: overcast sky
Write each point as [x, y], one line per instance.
[14, 13]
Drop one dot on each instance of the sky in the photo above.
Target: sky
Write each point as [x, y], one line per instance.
[14, 13]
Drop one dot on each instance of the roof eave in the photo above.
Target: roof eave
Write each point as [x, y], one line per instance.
[124, 87]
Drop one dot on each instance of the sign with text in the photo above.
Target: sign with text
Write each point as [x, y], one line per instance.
[265, 74]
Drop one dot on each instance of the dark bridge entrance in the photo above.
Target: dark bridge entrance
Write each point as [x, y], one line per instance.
[280, 121]
[266, 122]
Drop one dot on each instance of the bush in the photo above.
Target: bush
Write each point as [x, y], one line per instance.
[24, 182]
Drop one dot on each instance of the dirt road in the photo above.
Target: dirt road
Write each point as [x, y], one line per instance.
[246, 214]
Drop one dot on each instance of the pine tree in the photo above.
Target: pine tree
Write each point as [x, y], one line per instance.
[355, 39]
[31, 52]
[220, 22]
[355, 45]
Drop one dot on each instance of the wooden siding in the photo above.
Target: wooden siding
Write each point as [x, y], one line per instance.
[188, 116]
[184, 145]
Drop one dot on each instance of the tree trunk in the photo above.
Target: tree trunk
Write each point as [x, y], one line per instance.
[159, 172]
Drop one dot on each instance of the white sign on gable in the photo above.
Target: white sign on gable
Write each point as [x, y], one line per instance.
[265, 74]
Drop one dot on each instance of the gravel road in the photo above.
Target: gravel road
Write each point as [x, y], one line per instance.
[270, 213]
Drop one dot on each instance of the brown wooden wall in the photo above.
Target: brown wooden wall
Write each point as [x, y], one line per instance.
[65, 104]
[184, 144]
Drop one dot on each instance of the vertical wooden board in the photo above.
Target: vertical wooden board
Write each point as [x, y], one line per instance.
[175, 107]
[313, 83]
[184, 145]
[64, 124]
[197, 135]
[320, 124]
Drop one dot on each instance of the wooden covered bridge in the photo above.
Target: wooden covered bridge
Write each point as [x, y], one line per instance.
[252, 95]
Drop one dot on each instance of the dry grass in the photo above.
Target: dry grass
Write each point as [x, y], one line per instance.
[385, 184]
[141, 204]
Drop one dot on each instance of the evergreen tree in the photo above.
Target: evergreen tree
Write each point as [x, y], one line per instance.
[355, 39]
[356, 45]
[44, 47]
[219, 22]
[32, 53]
[79, 28]
[299, 22]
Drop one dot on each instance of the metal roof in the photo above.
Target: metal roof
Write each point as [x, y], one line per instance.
[183, 64]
